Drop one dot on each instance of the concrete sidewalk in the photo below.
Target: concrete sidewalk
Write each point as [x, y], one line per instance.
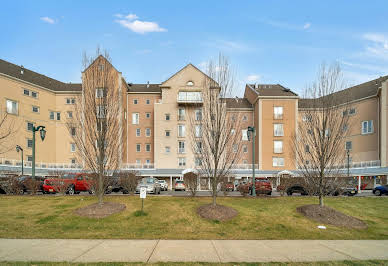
[80, 250]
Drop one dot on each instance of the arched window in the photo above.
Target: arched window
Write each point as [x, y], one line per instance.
[190, 83]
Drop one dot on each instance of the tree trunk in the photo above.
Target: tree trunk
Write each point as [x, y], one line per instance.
[100, 189]
[320, 200]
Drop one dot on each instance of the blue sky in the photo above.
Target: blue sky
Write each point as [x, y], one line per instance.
[266, 41]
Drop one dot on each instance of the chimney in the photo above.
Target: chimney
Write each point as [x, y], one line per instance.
[148, 84]
[236, 99]
[22, 69]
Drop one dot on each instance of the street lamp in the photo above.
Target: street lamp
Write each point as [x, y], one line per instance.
[42, 132]
[347, 153]
[18, 148]
[252, 133]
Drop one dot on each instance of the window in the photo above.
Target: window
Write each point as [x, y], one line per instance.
[277, 161]
[245, 162]
[235, 148]
[148, 132]
[148, 161]
[233, 118]
[198, 161]
[244, 134]
[148, 115]
[101, 67]
[148, 101]
[29, 158]
[55, 115]
[12, 107]
[352, 111]
[30, 93]
[138, 161]
[167, 149]
[35, 109]
[70, 100]
[307, 118]
[190, 96]
[190, 83]
[181, 147]
[100, 111]
[198, 114]
[100, 92]
[198, 131]
[182, 161]
[278, 130]
[134, 101]
[101, 125]
[278, 146]
[138, 147]
[69, 114]
[30, 126]
[181, 114]
[29, 143]
[348, 145]
[34, 94]
[245, 118]
[26, 92]
[72, 131]
[232, 131]
[367, 127]
[167, 116]
[135, 118]
[198, 147]
[245, 148]
[307, 148]
[148, 147]
[278, 112]
[167, 132]
[72, 147]
[73, 161]
[181, 131]
[138, 132]
[345, 127]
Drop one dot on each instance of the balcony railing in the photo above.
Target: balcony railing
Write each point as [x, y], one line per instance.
[189, 97]
[18, 163]
[353, 165]
[138, 166]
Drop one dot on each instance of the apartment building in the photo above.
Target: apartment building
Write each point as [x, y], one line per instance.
[155, 119]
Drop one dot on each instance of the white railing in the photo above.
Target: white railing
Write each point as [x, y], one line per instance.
[245, 166]
[189, 97]
[137, 166]
[363, 164]
[18, 163]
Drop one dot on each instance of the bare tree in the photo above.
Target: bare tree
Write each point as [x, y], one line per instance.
[128, 180]
[96, 125]
[7, 129]
[215, 135]
[319, 142]
[192, 182]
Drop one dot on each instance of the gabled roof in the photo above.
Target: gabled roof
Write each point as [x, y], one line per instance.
[357, 92]
[238, 103]
[189, 64]
[30, 76]
[270, 90]
[144, 88]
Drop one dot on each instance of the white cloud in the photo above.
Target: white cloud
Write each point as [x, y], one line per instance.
[253, 78]
[132, 23]
[285, 25]
[378, 45]
[307, 25]
[48, 20]
[358, 78]
[369, 67]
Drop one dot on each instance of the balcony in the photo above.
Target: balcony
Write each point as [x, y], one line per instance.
[189, 97]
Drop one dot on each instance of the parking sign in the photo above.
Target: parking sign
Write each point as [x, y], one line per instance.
[143, 192]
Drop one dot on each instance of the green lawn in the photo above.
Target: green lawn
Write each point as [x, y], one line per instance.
[176, 218]
[326, 263]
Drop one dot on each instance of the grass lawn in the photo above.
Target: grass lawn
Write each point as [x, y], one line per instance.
[326, 263]
[176, 218]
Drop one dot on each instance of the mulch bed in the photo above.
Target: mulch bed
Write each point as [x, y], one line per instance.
[219, 212]
[100, 211]
[330, 216]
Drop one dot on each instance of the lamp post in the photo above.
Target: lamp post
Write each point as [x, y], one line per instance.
[252, 133]
[42, 132]
[347, 153]
[18, 148]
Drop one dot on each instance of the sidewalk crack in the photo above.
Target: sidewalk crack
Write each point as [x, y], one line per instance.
[218, 255]
[152, 252]
[338, 251]
[86, 251]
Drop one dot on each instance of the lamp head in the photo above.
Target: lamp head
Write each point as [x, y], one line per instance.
[42, 133]
[18, 148]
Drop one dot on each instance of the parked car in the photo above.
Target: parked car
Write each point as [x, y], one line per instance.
[380, 190]
[262, 186]
[69, 183]
[151, 183]
[20, 184]
[163, 185]
[229, 186]
[179, 185]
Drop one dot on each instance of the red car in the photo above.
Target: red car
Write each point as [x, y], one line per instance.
[69, 183]
[262, 186]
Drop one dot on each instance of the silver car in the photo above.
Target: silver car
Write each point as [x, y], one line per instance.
[151, 184]
[163, 185]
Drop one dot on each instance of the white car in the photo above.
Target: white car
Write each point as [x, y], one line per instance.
[163, 185]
